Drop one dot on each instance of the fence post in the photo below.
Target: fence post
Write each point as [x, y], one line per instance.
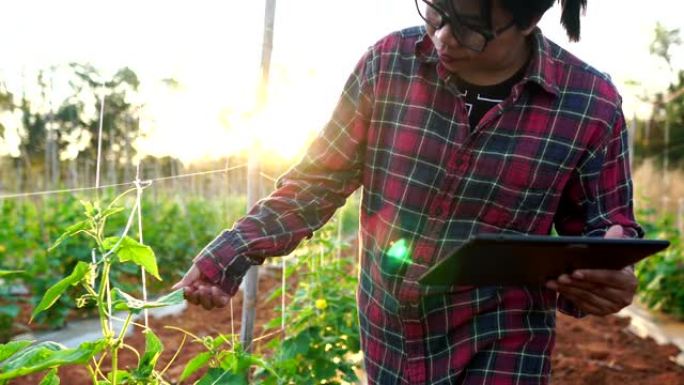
[249, 302]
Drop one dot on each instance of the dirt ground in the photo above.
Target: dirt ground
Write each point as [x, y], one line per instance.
[593, 351]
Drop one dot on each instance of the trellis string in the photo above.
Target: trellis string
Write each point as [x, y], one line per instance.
[139, 191]
[146, 181]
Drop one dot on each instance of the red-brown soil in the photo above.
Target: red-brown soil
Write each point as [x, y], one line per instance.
[593, 351]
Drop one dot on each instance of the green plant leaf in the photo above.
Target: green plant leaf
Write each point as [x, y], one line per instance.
[216, 376]
[89, 208]
[51, 378]
[11, 273]
[127, 302]
[51, 296]
[70, 232]
[45, 355]
[299, 344]
[131, 250]
[195, 364]
[111, 211]
[10, 348]
[153, 349]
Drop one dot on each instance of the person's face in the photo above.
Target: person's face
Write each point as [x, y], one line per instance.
[480, 45]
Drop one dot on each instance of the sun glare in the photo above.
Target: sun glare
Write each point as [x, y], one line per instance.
[201, 124]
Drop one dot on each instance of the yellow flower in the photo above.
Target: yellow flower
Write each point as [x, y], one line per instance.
[321, 304]
[2, 248]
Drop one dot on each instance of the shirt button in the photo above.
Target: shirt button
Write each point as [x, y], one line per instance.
[438, 211]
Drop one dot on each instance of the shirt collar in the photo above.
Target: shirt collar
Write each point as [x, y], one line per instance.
[541, 70]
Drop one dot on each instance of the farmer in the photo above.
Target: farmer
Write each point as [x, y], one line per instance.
[473, 123]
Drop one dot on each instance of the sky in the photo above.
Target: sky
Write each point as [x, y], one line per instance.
[213, 48]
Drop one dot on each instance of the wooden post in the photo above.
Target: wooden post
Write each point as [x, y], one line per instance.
[250, 284]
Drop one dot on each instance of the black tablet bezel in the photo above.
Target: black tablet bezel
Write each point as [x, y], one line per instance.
[506, 259]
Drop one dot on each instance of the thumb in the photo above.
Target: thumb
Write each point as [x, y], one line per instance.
[615, 231]
[191, 276]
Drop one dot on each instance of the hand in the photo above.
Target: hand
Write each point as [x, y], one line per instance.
[200, 291]
[599, 292]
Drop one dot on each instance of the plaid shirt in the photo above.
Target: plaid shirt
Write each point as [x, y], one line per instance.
[552, 154]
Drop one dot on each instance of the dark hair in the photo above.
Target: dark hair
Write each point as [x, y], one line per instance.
[526, 11]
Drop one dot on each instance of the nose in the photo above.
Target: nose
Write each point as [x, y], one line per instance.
[445, 37]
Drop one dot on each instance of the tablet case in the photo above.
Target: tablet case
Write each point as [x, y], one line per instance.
[497, 259]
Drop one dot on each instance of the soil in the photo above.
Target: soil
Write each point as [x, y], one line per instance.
[592, 351]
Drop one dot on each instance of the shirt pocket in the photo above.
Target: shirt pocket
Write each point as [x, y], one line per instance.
[524, 193]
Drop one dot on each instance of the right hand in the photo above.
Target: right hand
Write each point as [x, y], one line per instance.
[200, 291]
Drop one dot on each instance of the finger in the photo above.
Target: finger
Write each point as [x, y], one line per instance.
[585, 307]
[191, 295]
[219, 298]
[190, 276]
[615, 231]
[588, 298]
[617, 296]
[619, 279]
[205, 297]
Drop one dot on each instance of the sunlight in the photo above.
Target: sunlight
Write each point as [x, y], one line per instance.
[202, 124]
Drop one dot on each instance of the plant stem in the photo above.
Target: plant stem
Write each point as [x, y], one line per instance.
[102, 303]
[115, 363]
[122, 334]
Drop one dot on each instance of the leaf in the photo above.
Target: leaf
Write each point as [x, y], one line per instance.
[153, 349]
[131, 250]
[127, 302]
[46, 355]
[9, 349]
[275, 294]
[70, 232]
[11, 273]
[111, 211]
[195, 364]
[51, 378]
[216, 376]
[253, 360]
[299, 344]
[89, 208]
[51, 296]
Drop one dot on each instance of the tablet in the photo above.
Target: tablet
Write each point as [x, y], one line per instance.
[497, 259]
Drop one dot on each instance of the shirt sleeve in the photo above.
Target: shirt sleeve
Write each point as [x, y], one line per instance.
[599, 195]
[306, 196]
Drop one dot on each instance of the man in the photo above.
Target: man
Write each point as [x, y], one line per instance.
[474, 123]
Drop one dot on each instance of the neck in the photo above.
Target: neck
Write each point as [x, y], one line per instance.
[508, 66]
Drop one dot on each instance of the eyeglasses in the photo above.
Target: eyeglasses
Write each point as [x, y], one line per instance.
[466, 32]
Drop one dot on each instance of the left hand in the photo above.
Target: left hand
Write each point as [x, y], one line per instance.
[598, 292]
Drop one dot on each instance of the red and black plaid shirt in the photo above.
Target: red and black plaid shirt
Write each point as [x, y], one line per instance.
[554, 153]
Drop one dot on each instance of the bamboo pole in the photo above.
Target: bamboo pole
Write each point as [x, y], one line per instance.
[254, 179]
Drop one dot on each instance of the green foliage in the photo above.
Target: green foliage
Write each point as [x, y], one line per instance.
[322, 331]
[79, 274]
[94, 280]
[128, 249]
[9, 310]
[126, 302]
[661, 276]
[321, 318]
[62, 222]
[45, 355]
[51, 378]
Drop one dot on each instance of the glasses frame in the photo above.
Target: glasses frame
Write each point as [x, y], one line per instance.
[449, 17]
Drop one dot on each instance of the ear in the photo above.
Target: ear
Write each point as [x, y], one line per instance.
[527, 31]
